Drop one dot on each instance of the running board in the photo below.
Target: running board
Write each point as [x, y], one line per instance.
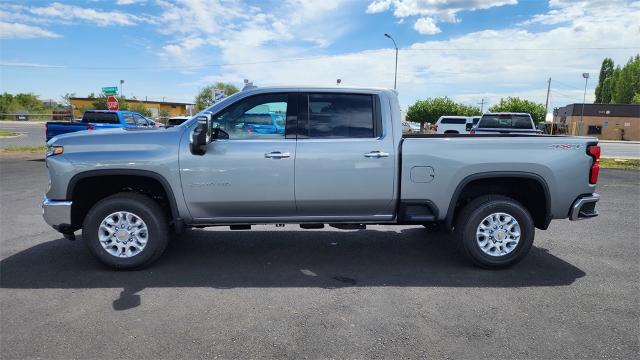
[349, 226]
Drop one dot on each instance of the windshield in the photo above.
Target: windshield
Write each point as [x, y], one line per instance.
[505, 121]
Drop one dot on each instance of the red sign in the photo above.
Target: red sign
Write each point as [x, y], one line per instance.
[112, 103]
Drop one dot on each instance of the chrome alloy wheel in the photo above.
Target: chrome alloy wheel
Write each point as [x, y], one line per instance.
[498, 234]
[123, 234]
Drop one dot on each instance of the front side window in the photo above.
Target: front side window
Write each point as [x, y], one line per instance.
[340, 116]
[257, 117]
[140, 120]
[129, 120]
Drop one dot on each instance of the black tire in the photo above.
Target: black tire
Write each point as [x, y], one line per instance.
[147, 210]
[475, 212]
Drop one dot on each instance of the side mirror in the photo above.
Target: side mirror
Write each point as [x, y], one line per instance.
[201, 135]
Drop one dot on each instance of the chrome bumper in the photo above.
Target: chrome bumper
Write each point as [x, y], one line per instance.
[584, 207]
[57, 213]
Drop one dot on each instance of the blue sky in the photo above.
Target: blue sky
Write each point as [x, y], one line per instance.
[465, 49]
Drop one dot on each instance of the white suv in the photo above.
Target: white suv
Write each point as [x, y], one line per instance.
[453, 124]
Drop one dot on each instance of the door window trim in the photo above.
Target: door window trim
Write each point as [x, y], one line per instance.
[293, 116]
[303, 120]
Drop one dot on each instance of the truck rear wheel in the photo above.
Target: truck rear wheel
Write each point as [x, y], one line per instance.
[494, 231]
[126, 231]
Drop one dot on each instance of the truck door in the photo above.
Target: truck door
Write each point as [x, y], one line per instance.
[248, 176]
[345, 162]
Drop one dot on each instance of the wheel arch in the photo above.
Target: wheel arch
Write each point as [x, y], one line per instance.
[138, 174]
[541, 220]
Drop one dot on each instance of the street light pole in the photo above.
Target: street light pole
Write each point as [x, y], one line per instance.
[395, 75]
[584, 97]
[121, 82]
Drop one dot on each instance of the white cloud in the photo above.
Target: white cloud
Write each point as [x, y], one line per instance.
[466, 67]
[432, 11]
[70, 13]
[426, 26]
[130, 2]
[23, 31]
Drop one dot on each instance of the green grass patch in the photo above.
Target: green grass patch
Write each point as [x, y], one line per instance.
[4, 133]
[22, 149]
[627, 164]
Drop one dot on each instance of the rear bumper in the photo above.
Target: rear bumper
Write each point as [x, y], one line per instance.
[584, 207]
[57, 213]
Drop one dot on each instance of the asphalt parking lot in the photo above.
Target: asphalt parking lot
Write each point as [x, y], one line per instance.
[384, 292]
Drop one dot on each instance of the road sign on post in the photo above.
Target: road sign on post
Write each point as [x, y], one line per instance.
[110, 90]
[112, 103]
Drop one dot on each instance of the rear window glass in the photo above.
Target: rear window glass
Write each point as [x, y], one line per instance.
[459, 121]
[505, 121]
[340, 116]
[100, 118]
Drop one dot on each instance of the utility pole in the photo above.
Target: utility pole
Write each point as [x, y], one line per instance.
[481, 103]
[546, 104]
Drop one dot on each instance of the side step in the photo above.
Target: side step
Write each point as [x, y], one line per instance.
[240, 227]
[312, 226]
[349, 226]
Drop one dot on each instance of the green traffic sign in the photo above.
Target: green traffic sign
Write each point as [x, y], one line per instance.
[110, 90]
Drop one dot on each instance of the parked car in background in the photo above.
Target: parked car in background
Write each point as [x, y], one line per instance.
[177, 120]
[506, 123]
[452, 124]
[341, 161]
[470, 124]
[98, 120]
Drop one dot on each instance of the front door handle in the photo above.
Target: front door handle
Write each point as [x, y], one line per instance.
[277, 155]
[376, 154]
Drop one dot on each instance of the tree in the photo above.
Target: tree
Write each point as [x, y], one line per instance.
[636, 99]
[100, 102]
[139, 108]
[627, 82]
[515, 104]
[205, 97]
[66, 99]
[606, 70]
[467, 110]
[429, 110]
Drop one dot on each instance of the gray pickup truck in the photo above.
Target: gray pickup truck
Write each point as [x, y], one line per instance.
[340, 159]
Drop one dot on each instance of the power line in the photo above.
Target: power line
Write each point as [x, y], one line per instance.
[567, 85]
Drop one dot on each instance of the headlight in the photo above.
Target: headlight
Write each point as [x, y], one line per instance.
[54, 150]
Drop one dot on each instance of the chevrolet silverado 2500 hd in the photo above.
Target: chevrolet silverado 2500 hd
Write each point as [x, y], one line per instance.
[341, 160]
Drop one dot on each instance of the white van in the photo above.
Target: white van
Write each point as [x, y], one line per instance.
[454, 124]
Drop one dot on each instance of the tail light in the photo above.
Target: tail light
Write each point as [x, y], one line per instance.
[472, 132]
[594, 152]
[90, 127]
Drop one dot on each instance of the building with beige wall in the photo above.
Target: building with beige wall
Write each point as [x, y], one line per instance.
[605, 121]
[173, 108]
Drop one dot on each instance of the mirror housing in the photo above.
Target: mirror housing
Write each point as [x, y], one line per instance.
[201, 135]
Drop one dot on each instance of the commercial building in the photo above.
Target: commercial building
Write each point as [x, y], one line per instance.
[173, 108]
[605, 121]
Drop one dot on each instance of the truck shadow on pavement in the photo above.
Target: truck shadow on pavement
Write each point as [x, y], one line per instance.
[267, 259]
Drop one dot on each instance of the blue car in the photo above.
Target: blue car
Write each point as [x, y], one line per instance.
[262, 123]
[97, 120]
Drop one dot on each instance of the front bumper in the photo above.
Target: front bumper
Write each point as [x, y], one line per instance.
[584, 207]
[57, 213]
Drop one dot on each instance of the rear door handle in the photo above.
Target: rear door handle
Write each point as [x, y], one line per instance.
[376, 154]
[277, 155]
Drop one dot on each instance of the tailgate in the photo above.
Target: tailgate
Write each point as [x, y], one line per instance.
[54, 129]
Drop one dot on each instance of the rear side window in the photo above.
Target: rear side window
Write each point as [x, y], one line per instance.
[340, 116]
[100, 118]
[457, 121]
[505, 121]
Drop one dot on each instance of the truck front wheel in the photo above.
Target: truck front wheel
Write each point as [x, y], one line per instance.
[494, 231]
[126, 231]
